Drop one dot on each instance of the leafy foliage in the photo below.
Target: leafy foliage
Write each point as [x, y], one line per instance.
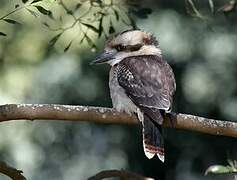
[2, 34]
[98, 15]
[193, 10]
[221, 169]
[42, 10]
[54, 39]
[11, 21]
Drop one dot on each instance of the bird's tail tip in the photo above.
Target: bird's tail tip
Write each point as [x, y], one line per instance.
[153, 142]
[151, 151]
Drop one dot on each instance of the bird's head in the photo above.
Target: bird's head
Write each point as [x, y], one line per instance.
[126, 44]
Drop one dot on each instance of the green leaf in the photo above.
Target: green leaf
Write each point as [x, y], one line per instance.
[46, 24]
[10, 21]
[101, 26]
[51, 15]
[111, 28]
[2, 34]
[218, 169]
[132, 22]
[95, 2]
[24, 1]
[54, 39]
[78, 5]
[116, 14]
[35, 1]
[33, 13]
[42, 10]
[89, 41]
[93, 28]
[82, 39]
[67, 47]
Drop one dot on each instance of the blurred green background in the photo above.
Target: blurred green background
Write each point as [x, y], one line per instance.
[202, 53]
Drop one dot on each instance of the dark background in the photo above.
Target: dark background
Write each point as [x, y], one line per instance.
[201, 52]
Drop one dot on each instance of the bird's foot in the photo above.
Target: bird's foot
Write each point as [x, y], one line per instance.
[171, 117]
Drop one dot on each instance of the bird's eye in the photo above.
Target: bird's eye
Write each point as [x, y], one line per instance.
[120, 47]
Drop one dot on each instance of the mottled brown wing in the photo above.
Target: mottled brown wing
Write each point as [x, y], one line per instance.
[149, 82]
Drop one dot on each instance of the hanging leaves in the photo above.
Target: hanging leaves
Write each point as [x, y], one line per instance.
[132, 22]
[101, 29]
[93, 28]
[82, 39]
[217, 169]
[46, 24]
[24, 1]
[35, 1]
[78, 5]
[116, 14]
[54, 39]
[51, 15]
[89, 41]
[96, 24]
[220, 169]
[68, 46]
[111, 27]
[42, 10]
[10, 21]
[2, 34]
[33, 13]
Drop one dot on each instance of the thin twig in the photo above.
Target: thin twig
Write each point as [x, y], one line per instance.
[122, 174]
[110, 116]
[12, 12]
[66, 9]
[11, 172]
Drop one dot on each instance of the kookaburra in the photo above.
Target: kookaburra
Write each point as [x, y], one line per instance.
[140, 82]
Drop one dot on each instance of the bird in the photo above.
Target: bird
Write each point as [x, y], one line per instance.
[141, 82]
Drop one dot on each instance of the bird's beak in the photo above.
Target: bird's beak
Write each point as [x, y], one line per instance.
[103, 58]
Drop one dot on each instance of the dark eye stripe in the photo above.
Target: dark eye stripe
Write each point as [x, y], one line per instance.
[135, 47]
[120, 47]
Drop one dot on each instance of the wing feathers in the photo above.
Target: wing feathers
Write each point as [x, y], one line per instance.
[147, 80]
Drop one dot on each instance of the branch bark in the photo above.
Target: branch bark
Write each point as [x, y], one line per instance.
[110, 116]
[122, 174]
[11, 172]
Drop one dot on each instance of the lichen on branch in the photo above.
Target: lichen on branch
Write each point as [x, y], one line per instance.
[110, 116]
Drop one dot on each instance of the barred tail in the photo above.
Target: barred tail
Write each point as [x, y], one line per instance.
[153, 142]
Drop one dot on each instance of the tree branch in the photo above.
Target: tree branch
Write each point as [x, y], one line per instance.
[122, 174]
[11, 172]
[110, 116]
